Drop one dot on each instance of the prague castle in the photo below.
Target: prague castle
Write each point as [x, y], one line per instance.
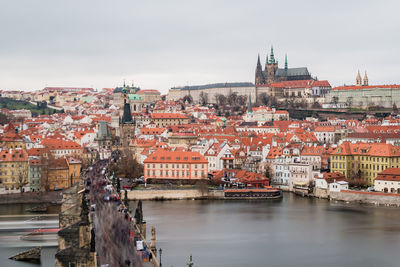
[272, 73]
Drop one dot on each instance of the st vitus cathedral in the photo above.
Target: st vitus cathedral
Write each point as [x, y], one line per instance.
[272, 73]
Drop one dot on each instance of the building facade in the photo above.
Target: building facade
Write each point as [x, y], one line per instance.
[175, 165]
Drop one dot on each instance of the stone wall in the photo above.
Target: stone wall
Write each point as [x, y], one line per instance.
[321, 193]
[173, 194]
[165, 194]
[367, 197]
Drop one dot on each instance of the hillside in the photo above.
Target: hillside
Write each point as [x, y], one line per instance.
[13, 104]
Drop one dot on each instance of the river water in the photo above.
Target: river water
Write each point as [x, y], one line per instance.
[15, 222]
[293, 231]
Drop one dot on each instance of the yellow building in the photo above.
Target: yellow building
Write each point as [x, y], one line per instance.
[11, 139]
[365, 160]
[62, 173]
[13, 168]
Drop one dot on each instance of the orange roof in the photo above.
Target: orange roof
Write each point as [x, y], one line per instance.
[367, 149]
[167, 156]
[60, 144]
[390, 174]
[360, 87]
[300, 84]
[168, 116]
[13, 155]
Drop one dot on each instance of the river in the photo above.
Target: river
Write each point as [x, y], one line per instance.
[293, 231]
[15, 222]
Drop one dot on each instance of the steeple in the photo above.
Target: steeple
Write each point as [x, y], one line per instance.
[358, 79]
[250, 106]
[272, 58]
[266, 60]
[286, 65]
[259, 72]
[365, 79]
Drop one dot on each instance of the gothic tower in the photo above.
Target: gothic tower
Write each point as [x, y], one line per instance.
[358, 79]
[271, 67]
[365, 79]
[127, 123]
[260, 79]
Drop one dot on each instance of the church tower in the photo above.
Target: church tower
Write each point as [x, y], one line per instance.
[260, 79]
[271, 68]
[365, 79]
[127, 123]
[358, 79]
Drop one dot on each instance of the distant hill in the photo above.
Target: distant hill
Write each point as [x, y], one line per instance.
[39, 109]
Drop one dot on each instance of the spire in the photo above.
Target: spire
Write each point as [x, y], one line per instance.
[365, 79]
[358, 79]
[272, 60]
[250, 107]
[266, 60]
[286, 65]
[258, 61]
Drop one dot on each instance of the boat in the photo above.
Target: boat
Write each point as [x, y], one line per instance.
[49, 234]
[39, 208]
[253, 193]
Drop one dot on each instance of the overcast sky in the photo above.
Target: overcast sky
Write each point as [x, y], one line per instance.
[161, 44]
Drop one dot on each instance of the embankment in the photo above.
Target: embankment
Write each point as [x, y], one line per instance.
[53, 197]
[173, 194]
[376, 198]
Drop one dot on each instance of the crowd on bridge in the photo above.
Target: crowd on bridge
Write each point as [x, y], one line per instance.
[118, 242]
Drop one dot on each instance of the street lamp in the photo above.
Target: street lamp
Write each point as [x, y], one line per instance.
[160, 251]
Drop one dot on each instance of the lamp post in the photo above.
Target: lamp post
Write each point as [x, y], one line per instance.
[160, 251]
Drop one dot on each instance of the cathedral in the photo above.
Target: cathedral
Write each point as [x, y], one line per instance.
[272, 73]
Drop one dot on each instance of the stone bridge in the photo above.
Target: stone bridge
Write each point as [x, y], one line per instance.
[97, 229]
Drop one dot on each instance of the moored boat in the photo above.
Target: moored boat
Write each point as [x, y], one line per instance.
[253, 193]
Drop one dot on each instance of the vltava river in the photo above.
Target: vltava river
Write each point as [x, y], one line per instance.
[294, 231]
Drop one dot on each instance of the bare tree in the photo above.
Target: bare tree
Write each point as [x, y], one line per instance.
[203, 98]
[22, 176]
[349, 102]
[335, 101]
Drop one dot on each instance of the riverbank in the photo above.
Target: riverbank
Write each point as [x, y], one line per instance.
[362, 197]
[51, 197]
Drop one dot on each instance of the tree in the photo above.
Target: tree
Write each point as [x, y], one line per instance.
[221, 100]
[188, 98]
[22, 176]
[335, 101]
[203, 98]
[316, 104]
[232, 98]
[349, 102]
[263, 99]
[127, 165]
[395, 109]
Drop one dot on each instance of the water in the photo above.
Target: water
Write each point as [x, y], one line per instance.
[15, 221]
[293, 231]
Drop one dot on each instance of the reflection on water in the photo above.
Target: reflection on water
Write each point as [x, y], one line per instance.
[16, 224]
[292, 232]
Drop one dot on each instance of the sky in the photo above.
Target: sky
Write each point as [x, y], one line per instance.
[162, 44]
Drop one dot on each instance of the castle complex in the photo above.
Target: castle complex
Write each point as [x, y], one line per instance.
[272, 73]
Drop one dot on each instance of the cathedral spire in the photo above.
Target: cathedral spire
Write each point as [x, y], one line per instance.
[272, 60]
[358, 79]
[266, 60]
[365, 79]
[258, 61]
[286, 65]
